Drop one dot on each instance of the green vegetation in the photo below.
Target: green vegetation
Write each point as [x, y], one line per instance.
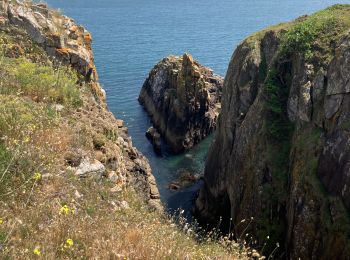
[300, 37]
[317, 31]
[41, 83]
[279, 132]
[46, 211]
[24, 150]
[99, 141]
[313, 37]
[278, 125]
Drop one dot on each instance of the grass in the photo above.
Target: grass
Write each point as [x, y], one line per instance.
[20, 76]
[107, 231]
[30, 142]
[46, 211]
[317, 32]
[313, 36]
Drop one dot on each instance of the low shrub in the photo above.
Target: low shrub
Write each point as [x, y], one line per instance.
[41, 83]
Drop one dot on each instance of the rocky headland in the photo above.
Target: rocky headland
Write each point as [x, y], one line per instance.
[64, 42]
[72, 185]
[280, 158]
[182, 98]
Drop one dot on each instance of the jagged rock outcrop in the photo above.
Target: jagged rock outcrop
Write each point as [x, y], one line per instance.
[108, 150]
[281, 151]
[183, 99]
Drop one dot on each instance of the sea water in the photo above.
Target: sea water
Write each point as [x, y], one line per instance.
[131, 36]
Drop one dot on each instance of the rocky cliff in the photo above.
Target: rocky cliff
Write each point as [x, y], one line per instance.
[72, 186]
[45, 36]
[183, 99]
[281, 150]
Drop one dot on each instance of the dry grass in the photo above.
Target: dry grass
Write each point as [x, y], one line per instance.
[46, 211]
[99, 226]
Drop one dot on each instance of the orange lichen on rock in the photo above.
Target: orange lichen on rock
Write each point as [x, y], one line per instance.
[64, 51]
[73, 28]
[87, 38]
[53, 34]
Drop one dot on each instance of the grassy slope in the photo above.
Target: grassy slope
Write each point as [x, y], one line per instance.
[45, 210]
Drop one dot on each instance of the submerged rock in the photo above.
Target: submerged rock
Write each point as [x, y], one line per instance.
[183, 99]
[153, 135]
[174, 186]
[185, 178]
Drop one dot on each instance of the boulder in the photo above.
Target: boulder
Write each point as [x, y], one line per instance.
[153, 135]
[89, 168]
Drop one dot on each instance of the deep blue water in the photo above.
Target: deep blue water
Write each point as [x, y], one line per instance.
[131, 36]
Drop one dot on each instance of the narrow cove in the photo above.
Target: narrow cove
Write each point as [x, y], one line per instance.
[130, 37]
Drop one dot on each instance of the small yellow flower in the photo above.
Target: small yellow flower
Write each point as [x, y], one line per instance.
[37, 176]
[69, 243]
[36, 251]
[26, 140]
[64, 210]
[1, 221]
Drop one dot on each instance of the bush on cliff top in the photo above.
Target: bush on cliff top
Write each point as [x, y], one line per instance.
[317, 30]
[41, 83]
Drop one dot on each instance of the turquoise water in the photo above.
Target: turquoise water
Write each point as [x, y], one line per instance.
[131, 36]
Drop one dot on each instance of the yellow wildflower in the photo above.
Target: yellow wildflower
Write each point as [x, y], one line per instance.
[36, 251]
[1, 221]
[69, 243]
[26, 140]
[37, 176]
[64, 210]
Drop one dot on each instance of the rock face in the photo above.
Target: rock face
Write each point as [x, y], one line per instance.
[281, 151]
[59, 35]
[183, 99]
[109, 150]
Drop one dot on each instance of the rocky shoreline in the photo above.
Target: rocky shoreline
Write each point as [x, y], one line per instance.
[67, 43]
[277, 171]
